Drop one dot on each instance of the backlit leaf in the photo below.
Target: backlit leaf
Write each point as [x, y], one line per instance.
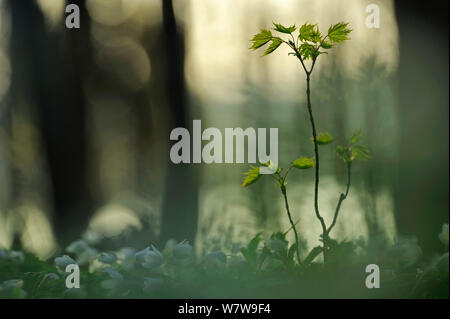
[356, 136]
[260, 39]
[339, 32]
[251, 176]
[276, 42]
[361, 153]
[307, 51]
[310, 32]
[324, 138]
[283, 29]
[326, 45]
[304, 163]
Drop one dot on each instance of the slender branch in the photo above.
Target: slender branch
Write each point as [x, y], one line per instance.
[342, 197]
[298, 55]
[287, 172]
[283, 191]
[317, 167]
[314, 53]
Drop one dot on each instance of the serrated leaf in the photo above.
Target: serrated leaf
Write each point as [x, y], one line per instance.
[283, 29]
[361, 153]
[310, 32]
[307, 51]
[324, 138]
[276, 42]
[317, 53]
[260, 39]
[304, 163]
[339, 32]
[326, 45]
[251, 176]
[356, 136]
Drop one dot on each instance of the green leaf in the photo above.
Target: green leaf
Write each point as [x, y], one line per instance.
[304, 163]
[276, 42]
[326, 45]
[356, 136]
[251, 176]
[310, 32]
[292, 251]
[361, 153]
[254, 242]
[340, 150]
[317, 53]
[283, 29]
[249, 252]
[339, 32]
[324, 138]
[307, 51]
[260, 39]
[312, 255]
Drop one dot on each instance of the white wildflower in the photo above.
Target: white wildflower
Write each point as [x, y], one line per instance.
[91, 237]
[107, 258]
[182, 250]
[126, 256]
[63, 261]
[77, 247]
[150, 257]
[115, 283]
[87, 256]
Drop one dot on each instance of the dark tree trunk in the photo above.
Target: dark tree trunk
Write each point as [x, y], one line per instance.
[53, 66]
[180, 207]
[422, 190]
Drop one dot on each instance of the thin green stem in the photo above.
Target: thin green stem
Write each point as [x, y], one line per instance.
[342, 197]
[317, 167]
[283, 191]
[287, 172]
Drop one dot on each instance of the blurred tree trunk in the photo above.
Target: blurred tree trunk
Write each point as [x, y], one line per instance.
[51, 68]
[422, 190]
[180, 203]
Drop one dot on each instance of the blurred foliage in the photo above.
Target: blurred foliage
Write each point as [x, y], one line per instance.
[264, 268]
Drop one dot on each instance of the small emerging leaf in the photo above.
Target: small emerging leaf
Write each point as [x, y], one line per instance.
[356, 136]
[276, 42]
[326, 45]
[304, 163]
[310, 32]
[343, 152]
[283, 29]
[361, 153]
[251, 176]
[324, 138]
[307, 51]
[260, 39]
